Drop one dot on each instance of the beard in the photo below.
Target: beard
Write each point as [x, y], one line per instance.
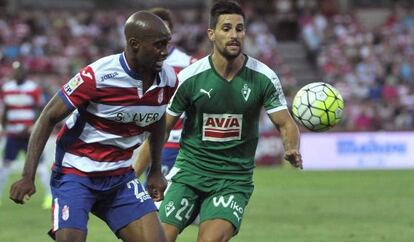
[229, 54]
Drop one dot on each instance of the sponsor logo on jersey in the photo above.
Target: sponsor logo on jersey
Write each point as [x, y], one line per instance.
[108, 76]
[73, 84]
[222, 127]
[141, 119]
[246, 92]
[229, 203]
[206, 92]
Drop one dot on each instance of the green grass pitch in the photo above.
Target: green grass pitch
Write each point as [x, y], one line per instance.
[287, 206]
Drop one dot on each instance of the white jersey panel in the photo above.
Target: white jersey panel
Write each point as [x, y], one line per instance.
[178, 58]
[87, 165]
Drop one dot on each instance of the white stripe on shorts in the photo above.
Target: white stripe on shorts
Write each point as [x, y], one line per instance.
[55, 215]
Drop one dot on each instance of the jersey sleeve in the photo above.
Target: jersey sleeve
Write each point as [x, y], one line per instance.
[80, 89]
[180, 101]
[274, 99]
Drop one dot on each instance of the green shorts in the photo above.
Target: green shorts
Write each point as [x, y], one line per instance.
[212, 198]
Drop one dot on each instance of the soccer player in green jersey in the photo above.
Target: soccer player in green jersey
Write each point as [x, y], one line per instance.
[222, 95]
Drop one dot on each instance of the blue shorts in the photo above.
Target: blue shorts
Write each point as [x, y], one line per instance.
[117, 200]
[168, 159]
[13, 147]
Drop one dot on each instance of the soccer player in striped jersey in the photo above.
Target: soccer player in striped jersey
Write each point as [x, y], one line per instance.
[178, 60]
[22, 103]
[221, 95]
[112, 105]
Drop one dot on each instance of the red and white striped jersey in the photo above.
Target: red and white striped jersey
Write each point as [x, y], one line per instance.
[178, 60]
[22, 103]
[113, 116]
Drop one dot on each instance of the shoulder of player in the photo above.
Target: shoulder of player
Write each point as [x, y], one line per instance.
[107, 66]
[30, 84]
[259, 67]
[178, 58]
[105, 61]
[9, 84]
[194, 69]
[168, 75]
[27, 85]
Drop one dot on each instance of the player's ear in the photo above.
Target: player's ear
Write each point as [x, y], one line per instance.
[134, 43]
[211, 35]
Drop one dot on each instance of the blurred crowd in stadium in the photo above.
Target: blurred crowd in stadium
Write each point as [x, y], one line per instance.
[373, 69]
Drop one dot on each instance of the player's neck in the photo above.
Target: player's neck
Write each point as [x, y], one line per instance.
[227, 68]
[20, 82]
[148, 79]
[147, 76]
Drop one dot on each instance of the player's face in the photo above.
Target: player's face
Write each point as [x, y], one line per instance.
[228, 35]
[20, 74]
[154, 51]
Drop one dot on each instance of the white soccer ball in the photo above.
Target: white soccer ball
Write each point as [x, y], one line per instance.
[318, 106]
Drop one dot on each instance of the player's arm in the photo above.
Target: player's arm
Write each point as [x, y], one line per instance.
[144, 159]
[290, 136]
[156, 182]
[54, 112]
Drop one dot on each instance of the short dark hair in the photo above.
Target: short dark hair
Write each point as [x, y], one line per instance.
[164, 14]
[224, 7]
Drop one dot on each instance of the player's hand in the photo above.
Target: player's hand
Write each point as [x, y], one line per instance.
[21, 190]
[156, 185]
[294, 158]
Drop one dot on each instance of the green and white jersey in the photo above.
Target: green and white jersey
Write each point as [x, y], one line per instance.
[220, 132]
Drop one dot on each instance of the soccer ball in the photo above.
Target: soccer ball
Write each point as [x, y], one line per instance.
[318, 106]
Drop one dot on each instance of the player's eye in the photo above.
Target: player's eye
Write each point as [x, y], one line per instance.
[160, 44]
[226, 28]
[240, 28]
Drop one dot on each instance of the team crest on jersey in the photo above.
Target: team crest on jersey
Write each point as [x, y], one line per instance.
[160, 96]
[222, 127]
[169, 208]
[73, 84]
[246, 92]
[65, 212]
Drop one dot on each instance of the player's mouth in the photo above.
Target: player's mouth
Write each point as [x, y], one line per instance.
[233, 44]
[160, 62]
